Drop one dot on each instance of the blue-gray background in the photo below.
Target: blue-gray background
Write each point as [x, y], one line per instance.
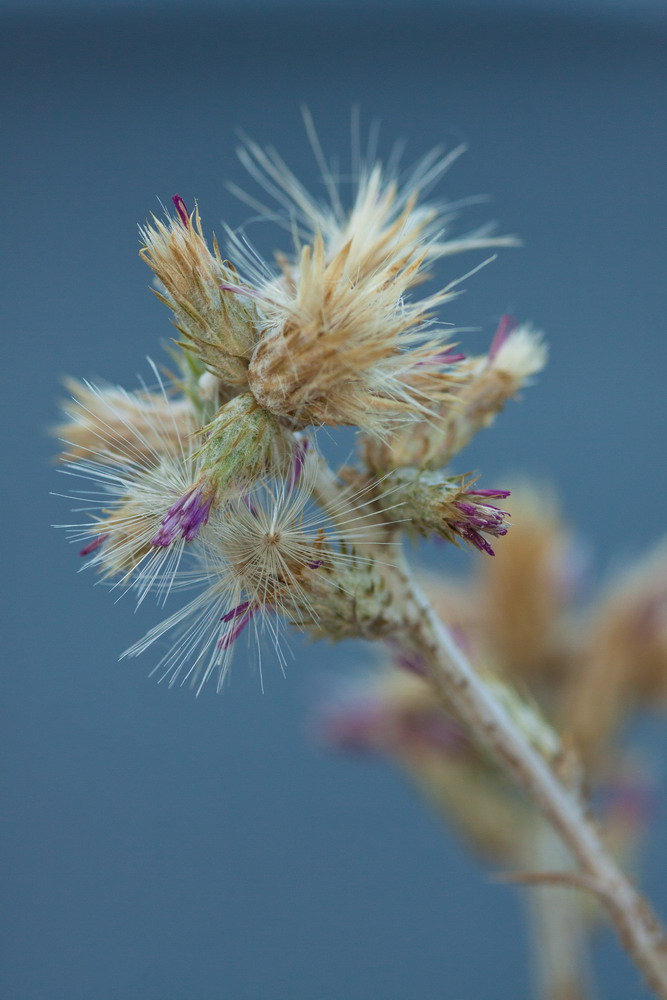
[159, 847]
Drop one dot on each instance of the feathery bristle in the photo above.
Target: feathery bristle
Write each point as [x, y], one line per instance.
[256, 562]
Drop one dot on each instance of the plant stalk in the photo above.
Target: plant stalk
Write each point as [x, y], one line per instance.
[560, 924]
[460, 686]
[457, 681]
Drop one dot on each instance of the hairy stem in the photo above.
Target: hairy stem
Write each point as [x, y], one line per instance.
[456, 680]
[479, 706]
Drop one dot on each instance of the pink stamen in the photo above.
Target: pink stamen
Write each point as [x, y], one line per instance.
[473, 536]
[450, 358]
[186, 517]
[443, 358]
[94, 545]
[235, 612]
[241, 290]
[492, 494]
[182, 210]
[480, 519]
[298, 461]
[231, 636]
[505, 326]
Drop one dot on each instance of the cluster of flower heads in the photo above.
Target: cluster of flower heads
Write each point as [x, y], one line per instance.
[210, 479]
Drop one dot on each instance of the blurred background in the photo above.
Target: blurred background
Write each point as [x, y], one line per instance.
[163, 847]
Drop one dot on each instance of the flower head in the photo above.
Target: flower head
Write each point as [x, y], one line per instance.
[137, 449]
[341, 347]
[450, 507]
[258, 560]
[218, 327]
[345, 341]
[475, 518]
[484, 384]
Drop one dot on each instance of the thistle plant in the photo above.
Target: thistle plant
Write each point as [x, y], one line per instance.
[210, 480]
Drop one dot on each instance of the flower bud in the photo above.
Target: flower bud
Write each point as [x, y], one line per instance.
[238, 443]
[217, 325]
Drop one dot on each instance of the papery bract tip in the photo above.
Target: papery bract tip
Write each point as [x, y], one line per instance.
[505, 326]
[182, 210]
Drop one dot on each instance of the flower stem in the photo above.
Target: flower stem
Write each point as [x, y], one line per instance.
[457, 681]
[481, 708]
[559, 923]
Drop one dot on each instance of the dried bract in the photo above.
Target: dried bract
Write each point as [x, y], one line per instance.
[345, 341]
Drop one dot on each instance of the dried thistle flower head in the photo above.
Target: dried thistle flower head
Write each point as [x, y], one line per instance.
[485, 383]
[218, 327]
[267, 554]
[341, 347]
[137, 450]
[433, 504]
[344, 339]
[526, 591]
[509, 365]
[160, 472]
[108, 421]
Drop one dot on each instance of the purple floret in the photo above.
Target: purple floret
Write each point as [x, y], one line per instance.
[185, 518]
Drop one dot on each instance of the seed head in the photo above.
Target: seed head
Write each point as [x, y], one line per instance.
[108, 422]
